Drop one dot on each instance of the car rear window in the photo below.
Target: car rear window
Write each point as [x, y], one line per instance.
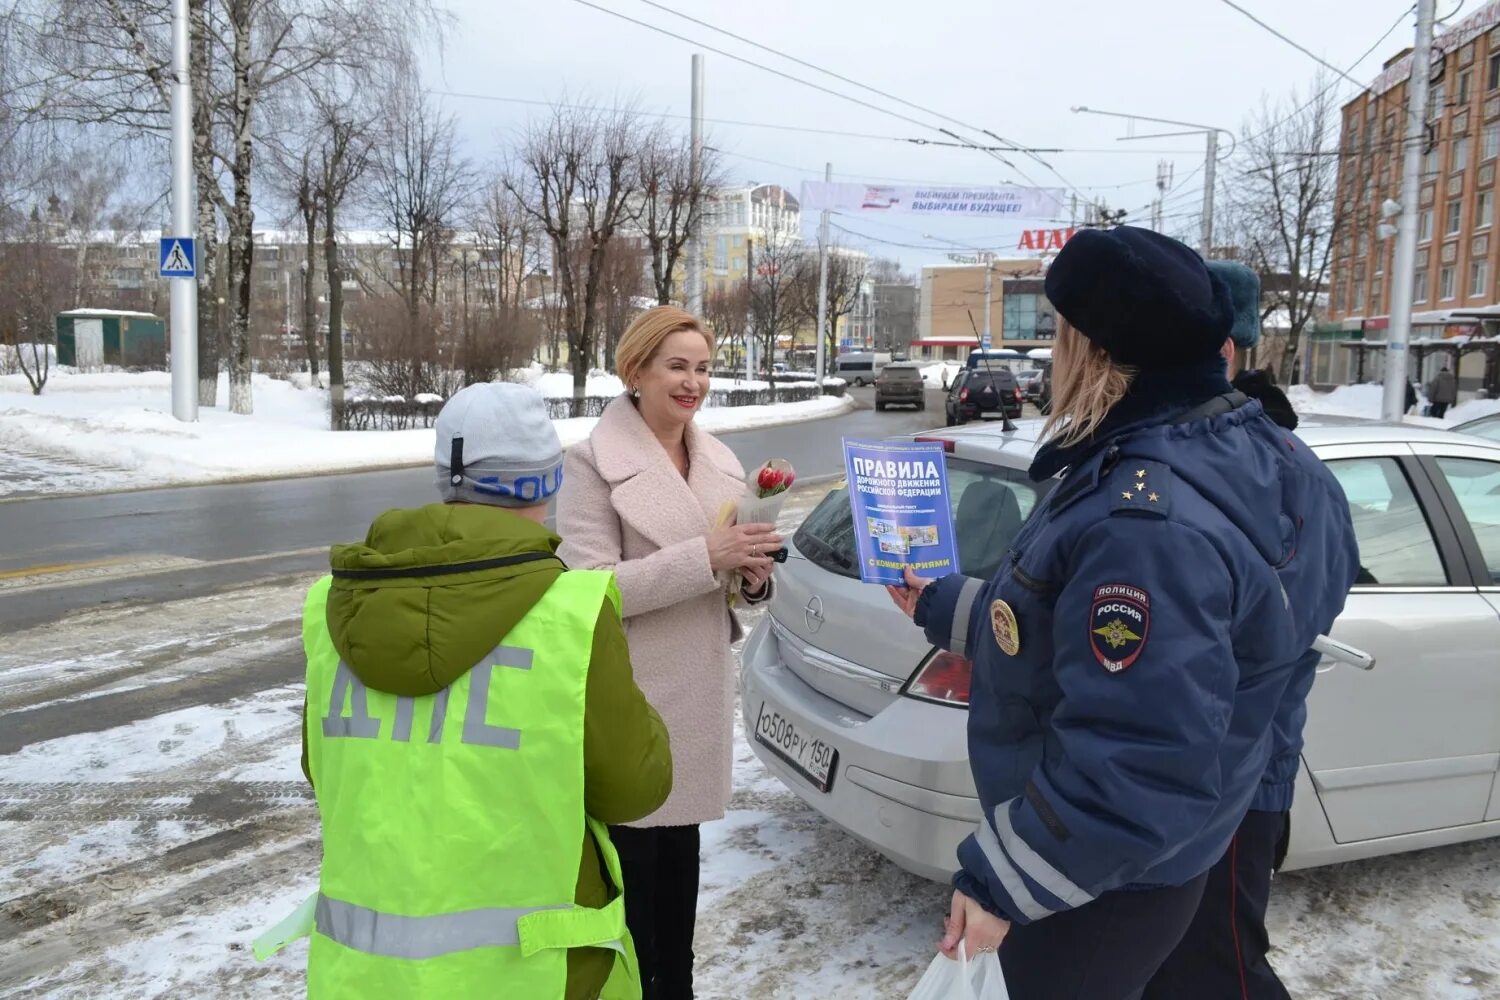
[902, 374]
[1000, 380]
[990, 503]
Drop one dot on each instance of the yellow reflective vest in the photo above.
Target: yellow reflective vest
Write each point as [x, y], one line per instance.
[451, 822]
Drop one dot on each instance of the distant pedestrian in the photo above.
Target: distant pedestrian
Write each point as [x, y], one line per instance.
[644, 493]
[471, 725]
[1130, 655]
[1258, 384]
[1442, 391]
[1411, 395]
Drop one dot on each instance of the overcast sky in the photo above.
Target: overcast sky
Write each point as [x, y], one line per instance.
[1015, 69]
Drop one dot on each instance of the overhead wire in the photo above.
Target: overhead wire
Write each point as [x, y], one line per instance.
[863, 86]
[1296, 45]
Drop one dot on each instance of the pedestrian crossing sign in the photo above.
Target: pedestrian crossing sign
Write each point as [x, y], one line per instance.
[177, 257]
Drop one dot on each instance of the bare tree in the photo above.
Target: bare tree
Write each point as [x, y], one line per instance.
[778, 293]
[35, 284]
[419, 183]
[847, 273]
[673, 202]
[1281, 213]
[578, 175]
[727, 309]
[621, 287]
[511, 242]
[107, 62]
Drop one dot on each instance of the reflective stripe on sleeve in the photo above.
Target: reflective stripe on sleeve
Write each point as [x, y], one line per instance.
[1007, 874]
[392, 935]
[963, 611]
[1033, 864]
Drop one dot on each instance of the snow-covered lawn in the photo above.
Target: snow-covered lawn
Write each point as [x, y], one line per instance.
[1365, 401]
[122, 422]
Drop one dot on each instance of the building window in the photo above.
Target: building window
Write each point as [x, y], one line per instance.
[1430, 161]
[1461, 154]
[1494, 71]
[1464, 79]
[1019, 315]
[721, 253]
[1424, 229]
[1484, 210]
[1455, 217]
[1359, 295]
[1377, 295]
[1419, 285]
[1446, 289]
[1490, 142]
[1479, 279]
[1437, 100]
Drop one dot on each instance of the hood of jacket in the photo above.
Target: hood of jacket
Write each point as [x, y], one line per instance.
[431, 590]
[1236, 461]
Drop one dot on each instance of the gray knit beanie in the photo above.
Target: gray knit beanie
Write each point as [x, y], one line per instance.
[496, 445]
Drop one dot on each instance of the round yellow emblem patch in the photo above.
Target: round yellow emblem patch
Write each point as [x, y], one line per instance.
[1007, 632]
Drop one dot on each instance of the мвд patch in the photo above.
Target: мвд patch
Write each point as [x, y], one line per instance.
[1118, 625]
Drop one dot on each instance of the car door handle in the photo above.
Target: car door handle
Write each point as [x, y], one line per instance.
[1343, 653]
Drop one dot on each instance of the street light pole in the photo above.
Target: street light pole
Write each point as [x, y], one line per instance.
[1398, 336]
[822, 331]
[184, 291]
[1210, 164]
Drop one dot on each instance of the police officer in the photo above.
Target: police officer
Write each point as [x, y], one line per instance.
[1132, 651]
[472, 725]
[1224, 952]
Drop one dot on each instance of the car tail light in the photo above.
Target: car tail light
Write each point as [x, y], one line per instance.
[963, 395]
[943, 678]
[1018, 395]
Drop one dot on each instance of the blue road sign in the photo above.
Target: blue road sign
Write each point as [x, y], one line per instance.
[177, 257]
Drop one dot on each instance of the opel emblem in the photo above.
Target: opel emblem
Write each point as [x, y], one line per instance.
[813, 613]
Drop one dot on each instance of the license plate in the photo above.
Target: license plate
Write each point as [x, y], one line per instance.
[813, 759]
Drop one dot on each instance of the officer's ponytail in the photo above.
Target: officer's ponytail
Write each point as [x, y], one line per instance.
[1086, 384]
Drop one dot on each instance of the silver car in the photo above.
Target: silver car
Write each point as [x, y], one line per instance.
[847, 704]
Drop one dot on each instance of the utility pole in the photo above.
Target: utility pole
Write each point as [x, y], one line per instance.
[750, 308]
[1398, 337]
[1163, 181]
[822, 333]
[1210, 167]
[184, 291]
[989, 288]
[695, 238]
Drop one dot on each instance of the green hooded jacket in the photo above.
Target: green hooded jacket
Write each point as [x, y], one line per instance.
[413, 635]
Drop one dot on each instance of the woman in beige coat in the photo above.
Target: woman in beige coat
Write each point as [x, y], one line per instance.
[642, 498]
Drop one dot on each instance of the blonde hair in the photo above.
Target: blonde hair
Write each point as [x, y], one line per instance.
[1086, 384]
[646, 334]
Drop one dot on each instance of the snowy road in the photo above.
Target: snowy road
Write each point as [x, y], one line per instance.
[153, 819]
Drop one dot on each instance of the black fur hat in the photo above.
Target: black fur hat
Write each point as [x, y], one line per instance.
[1147, 299]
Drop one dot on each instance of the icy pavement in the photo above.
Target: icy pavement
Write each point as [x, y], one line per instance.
[153, 819]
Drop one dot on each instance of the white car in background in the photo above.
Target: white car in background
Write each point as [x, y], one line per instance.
[848, 705]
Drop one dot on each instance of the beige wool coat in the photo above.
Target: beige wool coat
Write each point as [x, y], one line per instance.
[624, 506]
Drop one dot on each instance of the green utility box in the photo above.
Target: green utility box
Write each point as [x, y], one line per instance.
[96, 338]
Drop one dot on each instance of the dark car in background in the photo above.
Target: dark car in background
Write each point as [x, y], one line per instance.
[900, 385]
[983, 394]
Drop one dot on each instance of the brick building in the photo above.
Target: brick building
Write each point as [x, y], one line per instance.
[1456, 304]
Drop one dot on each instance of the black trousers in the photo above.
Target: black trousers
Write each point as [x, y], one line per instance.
[1223, 954]
[660, 865]
[1439, 410]
[1105, 950]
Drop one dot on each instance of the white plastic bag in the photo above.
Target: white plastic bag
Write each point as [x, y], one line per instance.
[965, 979]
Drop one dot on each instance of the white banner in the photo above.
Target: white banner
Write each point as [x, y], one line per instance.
[1007, 201]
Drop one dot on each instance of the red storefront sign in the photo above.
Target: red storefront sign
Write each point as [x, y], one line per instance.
[1044, 239]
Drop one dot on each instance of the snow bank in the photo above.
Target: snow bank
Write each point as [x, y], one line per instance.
[124, 421]
[1365, 401]
[940, 376]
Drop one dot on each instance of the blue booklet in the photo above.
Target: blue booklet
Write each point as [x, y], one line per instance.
[898, 491]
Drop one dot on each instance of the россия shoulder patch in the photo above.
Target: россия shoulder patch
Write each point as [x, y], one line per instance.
[1119, 623]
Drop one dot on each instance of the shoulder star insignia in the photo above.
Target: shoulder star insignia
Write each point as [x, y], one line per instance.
[1153, 498]
[1140, 486]
[1140, 473]
[1127, 495]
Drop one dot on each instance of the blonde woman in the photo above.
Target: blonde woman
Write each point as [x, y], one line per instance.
[1132, 653]
[643, 496]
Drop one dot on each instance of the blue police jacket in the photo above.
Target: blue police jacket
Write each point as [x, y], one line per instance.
[1133, 652]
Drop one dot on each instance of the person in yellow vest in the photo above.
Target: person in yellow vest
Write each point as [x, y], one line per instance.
[473, 725]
